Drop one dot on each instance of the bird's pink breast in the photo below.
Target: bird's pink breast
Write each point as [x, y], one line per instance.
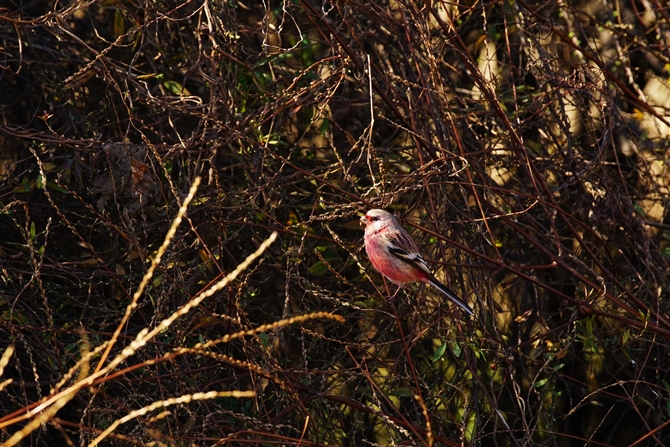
[390, 266]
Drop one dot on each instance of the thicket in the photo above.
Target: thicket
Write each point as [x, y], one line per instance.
[525, 145]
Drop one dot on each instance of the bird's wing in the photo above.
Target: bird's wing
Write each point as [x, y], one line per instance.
[403, 247]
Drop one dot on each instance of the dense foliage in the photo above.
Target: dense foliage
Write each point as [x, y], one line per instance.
[525, 146]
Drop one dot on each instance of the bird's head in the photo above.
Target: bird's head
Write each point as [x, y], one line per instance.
[376, 219]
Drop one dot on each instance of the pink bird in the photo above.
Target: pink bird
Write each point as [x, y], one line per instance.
[395, 255]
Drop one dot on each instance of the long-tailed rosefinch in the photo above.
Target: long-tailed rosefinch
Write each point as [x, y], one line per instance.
[395, 255]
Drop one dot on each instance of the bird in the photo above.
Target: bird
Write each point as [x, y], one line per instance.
[396, 256]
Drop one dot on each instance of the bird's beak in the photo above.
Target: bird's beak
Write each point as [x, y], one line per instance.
[362, 220]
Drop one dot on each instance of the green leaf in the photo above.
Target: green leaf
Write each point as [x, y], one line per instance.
[318, 268]
[264, 339]
[26, 186]
[10, 315]
[402, 392]
[540, 383]
[666, 252]
[32, 231]
[52, 363]
[456, 349]
[176, 88]
[645, 401]
[325, 127]
[439, 352]
[57, 188]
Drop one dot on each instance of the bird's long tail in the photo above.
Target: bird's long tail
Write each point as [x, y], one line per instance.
[451, 295]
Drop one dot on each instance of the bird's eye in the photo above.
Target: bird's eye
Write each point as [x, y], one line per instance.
[374, 218]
